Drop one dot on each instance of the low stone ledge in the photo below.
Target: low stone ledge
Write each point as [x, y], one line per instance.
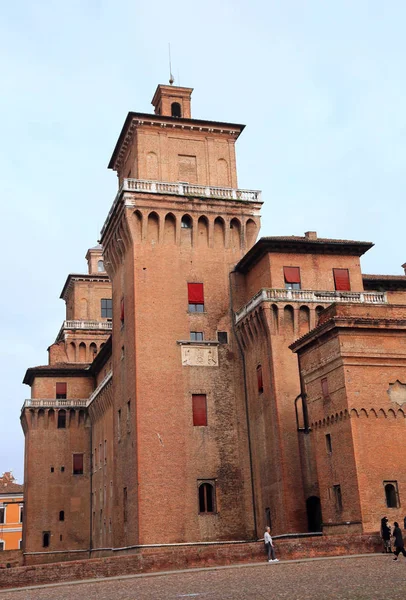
[166, 558]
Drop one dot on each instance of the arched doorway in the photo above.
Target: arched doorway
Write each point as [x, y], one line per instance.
[314, 518]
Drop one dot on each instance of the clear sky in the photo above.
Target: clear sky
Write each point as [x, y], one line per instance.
[320, 85]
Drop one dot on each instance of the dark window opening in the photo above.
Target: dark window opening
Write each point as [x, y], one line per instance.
[52, 469]
[21, 514]
[46, 536]
[199, 404]
[78, 464]
[60, 538]
[196, 336]
[338, 498]
[2, 515]
[61, 391]
[125, 515]
[195, 297]
[329, 447]
[186, 222]
[206, 498]
[61, 515]
[176, 110]
[292, 278]
[314, 516]
[61, 419]
[1, 546]
[268, 520]
[260, 381]
[341, 280]
[392, 494]
[222, 337]
[62, 469]
[106, 308]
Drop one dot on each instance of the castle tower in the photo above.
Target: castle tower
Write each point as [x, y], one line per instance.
[175, 231]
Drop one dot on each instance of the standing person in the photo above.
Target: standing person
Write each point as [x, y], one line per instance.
[385, 535]
[399, 544]
[269, 545]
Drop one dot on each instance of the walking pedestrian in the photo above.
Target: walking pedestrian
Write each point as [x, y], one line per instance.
[269, 546]
[399, 544]
[385, 535]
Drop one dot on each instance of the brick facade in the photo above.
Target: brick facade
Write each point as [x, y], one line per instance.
[199, 308]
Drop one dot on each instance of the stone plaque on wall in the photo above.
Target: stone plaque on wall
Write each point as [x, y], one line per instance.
[397, 392]
[200, 356]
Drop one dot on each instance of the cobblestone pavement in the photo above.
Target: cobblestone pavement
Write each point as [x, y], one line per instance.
[363, 578]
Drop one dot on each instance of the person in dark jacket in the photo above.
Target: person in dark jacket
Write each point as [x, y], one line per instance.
[385, 535]
[399, 544]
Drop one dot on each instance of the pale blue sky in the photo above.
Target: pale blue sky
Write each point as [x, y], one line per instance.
[320, 85]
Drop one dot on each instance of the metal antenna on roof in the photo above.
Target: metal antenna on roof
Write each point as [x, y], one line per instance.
[171, 77]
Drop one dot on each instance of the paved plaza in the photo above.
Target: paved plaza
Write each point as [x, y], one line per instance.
[357, 578]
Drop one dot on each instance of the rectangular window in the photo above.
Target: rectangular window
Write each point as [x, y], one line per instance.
[207, 496]
[78, 464]
[195, 297]
[338, 498]
[329, 447]
[125, 505]
[324, 389]
[199, 404]
[128, 416]
[20, 544]
[391, 494]
[21, 514]
[106, 308]
[196, 336]
[2, 515]
[46, 537]
[119, 424]
[341, 280]
[292, 278]
[1, 546]
[61, 391]
[61, 419]
[260, 381]
[222, 337]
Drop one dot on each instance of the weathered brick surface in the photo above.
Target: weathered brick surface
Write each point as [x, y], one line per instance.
[13, 558]
[159, 559]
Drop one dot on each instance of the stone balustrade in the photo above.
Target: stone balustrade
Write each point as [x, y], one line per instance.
[53, 403]
[305, 296]
[105, 325]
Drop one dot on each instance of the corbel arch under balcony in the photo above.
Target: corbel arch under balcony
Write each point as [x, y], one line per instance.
[203, 231]
[153, 228]
[170, 229]
[235, 234]
[219, 232]
[251, 232]
[186, 230]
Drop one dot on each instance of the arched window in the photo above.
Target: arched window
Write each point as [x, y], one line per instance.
[100, 266]
[61, 515]
[391, 494]
[206, 498]
[45, 538]
[176, 110]
[61, 419]
[186, 222]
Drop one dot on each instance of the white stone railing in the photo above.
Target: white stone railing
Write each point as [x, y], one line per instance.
[323, 297]
[76, 324]
[52, 403]
[188, 189]
[100, 387]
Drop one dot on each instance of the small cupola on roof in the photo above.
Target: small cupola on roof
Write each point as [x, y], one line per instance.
[95, 262]
[172, 101]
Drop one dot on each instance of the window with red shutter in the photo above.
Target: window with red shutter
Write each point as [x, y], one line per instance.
[78, 464]
[341, 280]
[324, 388]
[61, 391]
[199, 404]
[195, 297]
[292, 278]
[259, 379]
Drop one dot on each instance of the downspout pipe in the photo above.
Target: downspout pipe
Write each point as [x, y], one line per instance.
[245, 402]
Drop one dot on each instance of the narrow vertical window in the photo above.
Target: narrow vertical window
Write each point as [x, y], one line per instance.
[338, 498]
[195, 297]
[119, 424]
[176, 110]
[105, 452]
[341, 280]
[125, 508]
[100, 266]
[206, 498]
[46, 536]
[128, 416]
[122, 312]
[2, 515]
[329, 447]
[391, 494]
[199, 404]
[292, 278]
[21, 514]
[61, 515]
[61, 391]
[324, 389]
[260, 382]
[78, 464]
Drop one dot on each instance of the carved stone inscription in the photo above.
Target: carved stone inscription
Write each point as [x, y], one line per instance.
[200, 356]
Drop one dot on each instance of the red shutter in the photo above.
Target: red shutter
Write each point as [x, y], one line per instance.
[342, 280]
[122, 310]
[195, 293]
[291, 274]
[199, 409]
[259, 379]
[61, 388]
[324, 388]
[78, 464]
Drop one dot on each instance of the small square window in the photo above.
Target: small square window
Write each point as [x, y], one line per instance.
[196, 336]
[222, 337]
[199, 308]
